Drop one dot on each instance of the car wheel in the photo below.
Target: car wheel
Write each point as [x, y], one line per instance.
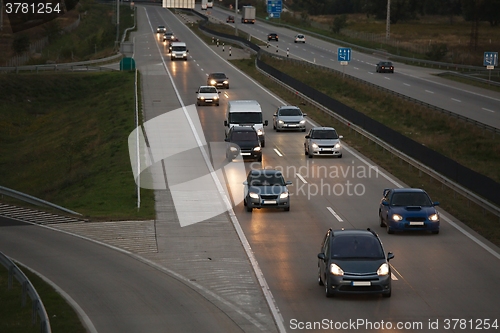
[249, 209]
[277, 130]
[320, 282]
[217, 104]
[274, 126]
[304, 130]
[310, 155]
[305, 152]
[435, 232]
[263, 144]
[389, 230]
[259, 159]
[387, 295]
[340, 156]
[198, 104]
[328, 292]
[287, 209]
[382, 223]
[244, 202]
[295, 41]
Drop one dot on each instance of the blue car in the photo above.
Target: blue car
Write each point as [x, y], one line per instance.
[406, 209]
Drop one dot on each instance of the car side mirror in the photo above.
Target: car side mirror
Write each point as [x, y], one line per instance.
[435, 203]
[226, 139]
[390, 256]
[341, 136]
[225, 122]
[304, 115]
[321, 256]
[245, 183]
[385, 203]
[288, 183]
[265, 123]
[307, 136]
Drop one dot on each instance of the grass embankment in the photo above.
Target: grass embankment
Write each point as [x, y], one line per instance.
[64, 140]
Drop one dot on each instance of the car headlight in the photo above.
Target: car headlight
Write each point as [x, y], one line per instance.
[314, 146]
[336, 270]
[253, 195]
[284, 195]
[260, 132]
[212, 82]
[202, 98]
[226, 82]
[281, 122]
[233, 149]
[337, 146]
[216, 97]
[256, 149]
[397, 217]
[383, 269]
[434, 217]
[302, 121]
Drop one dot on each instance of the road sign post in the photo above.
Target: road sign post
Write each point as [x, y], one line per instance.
[344, 56]
[490, 60]
[274, 8]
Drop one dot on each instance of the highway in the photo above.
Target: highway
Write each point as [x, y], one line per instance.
[439, 281]
[416, 82]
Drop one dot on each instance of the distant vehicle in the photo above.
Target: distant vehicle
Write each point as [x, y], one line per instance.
[246, 113]
[167, 36]
[266, 188]
[385, 67]
[272, 36]
[161, 29]
[207, 95]
[354, 262]
[323, 141]
[204, 4]
[248, 14]
[179, 51]
[243, 140]
[219, 80]
[405, 209]
[170, 41]
[230, 19]
[210, 4]
[299, 38]
[289, 117]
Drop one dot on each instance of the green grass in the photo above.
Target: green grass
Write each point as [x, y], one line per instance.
[65, 141]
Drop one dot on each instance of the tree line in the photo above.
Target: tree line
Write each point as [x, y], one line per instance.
[401, 10]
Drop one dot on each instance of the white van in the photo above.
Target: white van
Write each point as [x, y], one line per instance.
[246, 113]
[178, 51]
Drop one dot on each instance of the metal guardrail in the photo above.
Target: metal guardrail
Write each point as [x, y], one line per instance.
[33, 200]
[27, 290]
[444, 180]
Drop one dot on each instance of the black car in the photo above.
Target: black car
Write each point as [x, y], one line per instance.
[266, 188]
[385, 67]
[354, 261]
[243, 140]
[230, 19]
[219, 80]
[272, 36]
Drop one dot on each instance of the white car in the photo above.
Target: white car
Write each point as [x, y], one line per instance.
[161, 29]
[207, 95]
[300, 38]
[323, 141]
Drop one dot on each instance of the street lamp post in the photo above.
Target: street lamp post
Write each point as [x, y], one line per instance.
[388, 22]
[236, 18]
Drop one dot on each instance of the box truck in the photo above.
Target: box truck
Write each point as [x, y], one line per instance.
[248, 14]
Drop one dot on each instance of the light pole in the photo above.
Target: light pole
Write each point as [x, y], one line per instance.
[388, 22]
[236, 18]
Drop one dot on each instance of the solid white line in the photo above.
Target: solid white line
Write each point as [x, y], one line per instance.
[485, 109]
[278, 152]
[406, 84]
[301, 178]
[394, 277]
[430, 92]
[456, 100]
[335, 214]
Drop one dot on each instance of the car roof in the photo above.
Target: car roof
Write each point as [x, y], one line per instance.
[407, 190]
[257, 172]
[323, 128]
[211, 87]
[289, 107]
[243, 129]
[217, 73]
[354, 232]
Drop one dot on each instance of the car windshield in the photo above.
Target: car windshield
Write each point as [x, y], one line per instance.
[218, 76]
[245, 117]
[244, 136]
[358, 246]
[266, 180]
[300, 36]
[178, 48]
[290, 112]
[208, 90]
[386, 63]
[411, 199]
[324, 134]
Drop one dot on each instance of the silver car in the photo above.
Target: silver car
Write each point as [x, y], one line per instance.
[289, 118]
[299, 38]
[323, 141]
[207, 95]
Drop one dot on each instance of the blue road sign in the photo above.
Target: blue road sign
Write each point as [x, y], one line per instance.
[490, 59]
[344, 54]
[274, 8]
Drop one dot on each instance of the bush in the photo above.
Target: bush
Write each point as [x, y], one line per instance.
[437, 52]
[339, 23]
[21, 44]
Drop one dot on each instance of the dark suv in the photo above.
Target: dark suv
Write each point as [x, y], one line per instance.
[272, 36]
[354, 261]
[218, 80]
[245, 141]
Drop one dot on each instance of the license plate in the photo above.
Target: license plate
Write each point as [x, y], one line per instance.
[269, 202]
[416, 223]
[326, 149]
[292, 125]
[361, 283]
[245, 154]
[208, 100]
